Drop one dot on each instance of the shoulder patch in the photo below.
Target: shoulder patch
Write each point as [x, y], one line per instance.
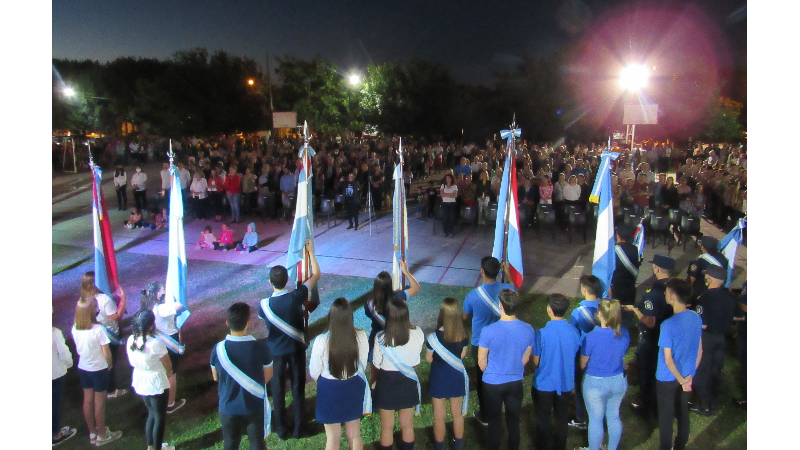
[647, 291]
[693, 267]
[648, 305]
[700, 310]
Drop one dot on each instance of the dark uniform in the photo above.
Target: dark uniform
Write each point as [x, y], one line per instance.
[652, 304]
[716, 308]
[351, 190]
[700, 264]
[623, 283]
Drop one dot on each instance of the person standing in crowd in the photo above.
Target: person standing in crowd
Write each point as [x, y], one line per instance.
[397, 388]
[504, 349]
[623, 283]
[283, 316]
[554, 350]
[150, 378]
[167, 331]
[528, 196]
[448, 192]
[351, 190]
[139, 186]
[242, 366]
[449, 381]
[716, 307]
[584, 319]
[216, 189]
[166, 182]
[710, 257]
[376, 307]
[199, 191]
[679, 354]
[62, 360]
[605, 382]
[338, 359]
[233, 189]
[94, 359]
[651, 310]
[482, 304]
[121, 186]
[250, 191]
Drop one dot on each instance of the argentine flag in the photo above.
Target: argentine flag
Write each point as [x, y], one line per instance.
[604, 261]
[509, 248]
[176, 262]
[303, 226]
[399, 223]
[105, 261]
[638, 240]
[729, 245]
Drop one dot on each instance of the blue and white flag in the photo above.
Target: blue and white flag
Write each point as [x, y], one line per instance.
[399, 223]
[303, 228]
[105, 261]
[729, 245]
[639, 240]
[604, 261]
[507, 243]
[175, 289]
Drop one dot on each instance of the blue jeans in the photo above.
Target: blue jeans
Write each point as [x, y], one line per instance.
[448, 217]
[603, 396]
[233, 199]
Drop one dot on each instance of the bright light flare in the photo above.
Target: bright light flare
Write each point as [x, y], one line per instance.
[354, 79]
[251, 82]
[69, 92]
[634, 77]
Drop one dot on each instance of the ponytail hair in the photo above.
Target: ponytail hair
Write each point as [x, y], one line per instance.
[612, 314]
[150, 295]
[141, 324]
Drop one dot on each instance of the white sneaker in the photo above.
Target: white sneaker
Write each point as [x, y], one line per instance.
[110, 437]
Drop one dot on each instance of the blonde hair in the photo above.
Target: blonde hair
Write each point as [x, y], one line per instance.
[450, 317]
[85, 312]
[612, 314]
[88, 288]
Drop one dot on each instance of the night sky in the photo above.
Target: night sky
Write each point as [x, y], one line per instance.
[472, 39]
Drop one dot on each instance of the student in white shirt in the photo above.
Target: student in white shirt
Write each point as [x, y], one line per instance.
[62, 360]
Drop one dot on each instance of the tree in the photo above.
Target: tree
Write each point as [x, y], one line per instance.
[723, 121]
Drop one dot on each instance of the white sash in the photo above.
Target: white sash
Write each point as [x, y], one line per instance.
[456, 363]
[626, 261]
[111, 336]
[486, 299]
[373, 313]
[171, 344]
[403, 368]
[710, 259]
[247, 383]
[585, 312]
[290, 331]
[367, 405]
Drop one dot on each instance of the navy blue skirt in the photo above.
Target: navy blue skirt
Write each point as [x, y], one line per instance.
[394, 391]
[339, 401]
[445, 381]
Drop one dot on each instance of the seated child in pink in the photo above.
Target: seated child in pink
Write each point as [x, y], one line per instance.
[225, 241]
[206, 239]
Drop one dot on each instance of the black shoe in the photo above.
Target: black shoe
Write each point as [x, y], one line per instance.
[479, 417]
[355, 228]
[701, 411]
[577, 424]
[642, 411]
[350, 227]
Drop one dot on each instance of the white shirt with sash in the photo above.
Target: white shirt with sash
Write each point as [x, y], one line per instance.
[402, 358]
[319, 367]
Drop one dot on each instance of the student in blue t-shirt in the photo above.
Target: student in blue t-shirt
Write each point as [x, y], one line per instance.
[604, 384]
[679, 354]
[504, 349]
[583, 318]
[554, 351]
[483, 314]
[239, 410]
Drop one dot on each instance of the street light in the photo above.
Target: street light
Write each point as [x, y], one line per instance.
[69, 92]
[251, 81]
[634, 77]
[354, 79]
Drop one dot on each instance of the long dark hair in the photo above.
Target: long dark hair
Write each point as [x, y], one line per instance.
[397, 323]
[119, 171]
[382, 291]
[150, 295]
[342, 342]
[141, 324]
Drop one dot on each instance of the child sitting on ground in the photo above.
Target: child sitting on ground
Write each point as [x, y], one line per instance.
[162, 219]
[206, 239]
[225, 241]
[250, 241]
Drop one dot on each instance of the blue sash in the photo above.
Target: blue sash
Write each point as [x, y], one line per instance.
[626, 261]
[710, 259]
[456, 363]
[247, 383]
[488, 300]
[403, 368]
[367, 405]
[171, 344]
[373, 313]
[111, 336]
[290, 331]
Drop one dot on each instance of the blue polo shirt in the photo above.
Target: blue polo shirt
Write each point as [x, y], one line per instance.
[289, 307]
[681, 333]
[507, 342]
[579, 320]
[556, 345]
[251, 357]
[482, 314]
[466, 170]
[605, 351]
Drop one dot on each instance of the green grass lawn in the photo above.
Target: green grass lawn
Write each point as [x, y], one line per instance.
[197, 426]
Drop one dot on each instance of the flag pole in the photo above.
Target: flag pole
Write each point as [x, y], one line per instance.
[402, 216]
[511, 166]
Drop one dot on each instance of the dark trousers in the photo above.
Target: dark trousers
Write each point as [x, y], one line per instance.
[709, 373]
[646, 362]
[478, 381]
[544, 403]
[297, 371]
[352, 213]
[580, 405]
[448, 218]
[112, 372]
[58, 389]
[156, 418]
[741, 341]
[122, 196]
[233, 427]
[497, 395]
[140, 197]
[672, 403]
[199, 205]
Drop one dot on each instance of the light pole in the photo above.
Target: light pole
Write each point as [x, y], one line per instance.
[633, 79]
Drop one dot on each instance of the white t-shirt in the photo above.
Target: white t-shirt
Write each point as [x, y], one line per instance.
[318, 364]
[408, 353]
[165, 318]
[106, 307]
[62, 358]
[572, 193]
[88, 344]
[149, 376]
[452, 189]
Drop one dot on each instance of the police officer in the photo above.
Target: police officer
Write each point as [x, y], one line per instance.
[710, 256]
[351, 191]
[651, 310]
[716, 307]
[623, 283]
